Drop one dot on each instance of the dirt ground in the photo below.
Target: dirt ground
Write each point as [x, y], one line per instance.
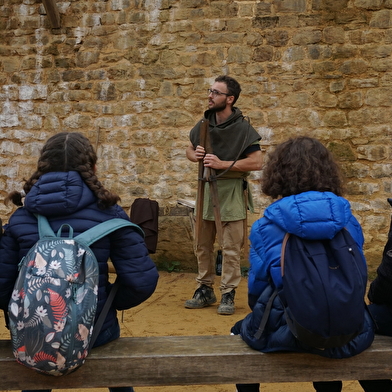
[164, 314]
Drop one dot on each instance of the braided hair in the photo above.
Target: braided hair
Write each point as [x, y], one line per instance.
[63, 152]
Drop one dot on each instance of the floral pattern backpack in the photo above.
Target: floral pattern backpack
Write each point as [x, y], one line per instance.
[53, 304]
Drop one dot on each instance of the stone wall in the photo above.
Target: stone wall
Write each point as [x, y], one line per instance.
[133, 76]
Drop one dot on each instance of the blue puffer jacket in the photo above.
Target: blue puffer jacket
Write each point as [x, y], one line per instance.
[63, 197]
[310, 215]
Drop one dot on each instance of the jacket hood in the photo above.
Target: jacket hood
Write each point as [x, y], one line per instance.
[310, 215]
[210, 115]
[58, 194]
[228, 139]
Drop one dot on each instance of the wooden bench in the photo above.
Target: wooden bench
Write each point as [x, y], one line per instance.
[192, 360]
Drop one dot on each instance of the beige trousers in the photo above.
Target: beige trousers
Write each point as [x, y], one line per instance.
[233, 240]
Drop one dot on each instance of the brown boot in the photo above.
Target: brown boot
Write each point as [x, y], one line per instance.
[227, 303]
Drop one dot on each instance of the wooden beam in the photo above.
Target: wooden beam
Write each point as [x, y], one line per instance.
[53, 13]
[196, 360]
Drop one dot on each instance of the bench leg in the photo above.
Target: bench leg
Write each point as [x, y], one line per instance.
[327, 386]
[376, 385]
[36, 390]
[248, 387]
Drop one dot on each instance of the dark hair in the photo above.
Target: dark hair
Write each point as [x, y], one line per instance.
[233, 86]
[63, 152]
[298, 165]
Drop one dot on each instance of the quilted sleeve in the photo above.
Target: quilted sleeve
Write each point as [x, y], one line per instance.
[9, 260]
[380, 291]
[136, 272]
[258, 278]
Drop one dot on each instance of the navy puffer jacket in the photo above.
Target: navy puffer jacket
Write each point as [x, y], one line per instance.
[63, 197]
[310, 215]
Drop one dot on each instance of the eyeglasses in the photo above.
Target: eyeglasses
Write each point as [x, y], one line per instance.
[217, 93]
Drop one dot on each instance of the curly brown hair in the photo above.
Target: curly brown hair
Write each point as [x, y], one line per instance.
[68, 151]
[299, 165]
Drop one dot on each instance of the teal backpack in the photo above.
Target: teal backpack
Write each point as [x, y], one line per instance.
[54, 301]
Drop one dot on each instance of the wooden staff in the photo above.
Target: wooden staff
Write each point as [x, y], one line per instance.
[207, 174]
[211, 178]
[200, 183]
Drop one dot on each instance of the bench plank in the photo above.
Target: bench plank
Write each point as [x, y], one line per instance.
[196, 360]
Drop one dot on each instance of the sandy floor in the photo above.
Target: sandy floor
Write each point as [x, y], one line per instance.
[164, 314]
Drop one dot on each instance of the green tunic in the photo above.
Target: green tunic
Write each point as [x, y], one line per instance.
[229, 140]
[231, 200]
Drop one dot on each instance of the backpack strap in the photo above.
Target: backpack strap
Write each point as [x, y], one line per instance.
[102, 229]
[266, 314]
[102, 316]
[44, 229]
[282, 252]
[89, 236]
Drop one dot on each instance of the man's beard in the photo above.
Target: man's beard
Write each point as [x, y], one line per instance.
[218, 107]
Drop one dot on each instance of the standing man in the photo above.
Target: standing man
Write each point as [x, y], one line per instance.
[236, 151]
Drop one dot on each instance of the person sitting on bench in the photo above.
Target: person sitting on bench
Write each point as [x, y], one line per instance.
[306, 181]
[65, 187]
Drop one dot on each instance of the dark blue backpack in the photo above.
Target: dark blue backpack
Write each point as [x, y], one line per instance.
[324, 284]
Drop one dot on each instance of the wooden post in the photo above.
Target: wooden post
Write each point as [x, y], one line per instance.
[200, 183]
[52, 12]
[212, 181]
